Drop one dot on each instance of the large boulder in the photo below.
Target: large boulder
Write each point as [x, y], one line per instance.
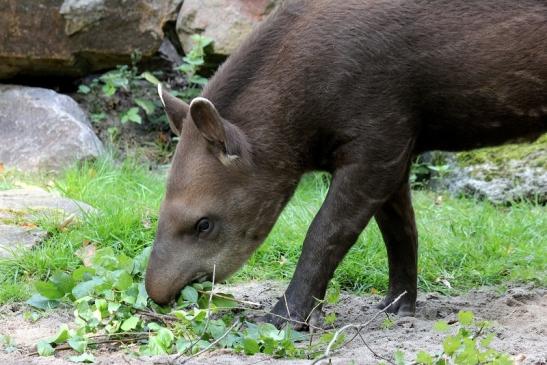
[43, 130]
[75, 37]
[227, 22]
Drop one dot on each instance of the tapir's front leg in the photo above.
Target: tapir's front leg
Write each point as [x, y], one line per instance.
[355, 195]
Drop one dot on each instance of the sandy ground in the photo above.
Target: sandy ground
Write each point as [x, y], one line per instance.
[519, 316]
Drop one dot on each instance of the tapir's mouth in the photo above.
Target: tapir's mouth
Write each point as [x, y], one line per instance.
[200, 277]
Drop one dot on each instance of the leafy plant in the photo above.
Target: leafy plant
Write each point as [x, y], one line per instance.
[470, 345]
[111, 305]
[193, 62]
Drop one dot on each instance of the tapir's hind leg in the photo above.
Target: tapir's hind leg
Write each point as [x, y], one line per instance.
[396, 221]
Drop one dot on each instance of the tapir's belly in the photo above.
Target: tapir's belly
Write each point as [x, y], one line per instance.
[467, 120]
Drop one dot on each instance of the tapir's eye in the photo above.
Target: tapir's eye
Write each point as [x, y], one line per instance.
[204, 225]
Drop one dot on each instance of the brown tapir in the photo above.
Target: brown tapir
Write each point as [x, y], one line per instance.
[355, 88]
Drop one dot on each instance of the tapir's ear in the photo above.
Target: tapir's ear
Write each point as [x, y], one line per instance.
[227, 140]
[176, 109]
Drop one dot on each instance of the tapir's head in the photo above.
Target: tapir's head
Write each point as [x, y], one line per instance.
[217, 209]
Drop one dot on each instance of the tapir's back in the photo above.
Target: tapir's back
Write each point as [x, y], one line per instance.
[462, 73]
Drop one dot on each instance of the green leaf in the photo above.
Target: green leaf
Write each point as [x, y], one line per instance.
[441, 326]
[61, 336]
[424, 358]
[63, 281]
[451, 344]
[124, 280]
[44, 348]
[148, 106]
[85, 358]
[485, 342]
[84, 89]
[78, 343]
[85, 288]
[250, 346]
[41, 302]
[48, 290]
[190, 294]
[399, 357]
[130, 323]
[466, 318]
[131, 115]
[150, 78]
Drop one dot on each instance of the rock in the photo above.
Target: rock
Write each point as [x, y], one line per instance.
[513, 182]
[43, 130]
[76, 37]
[14, 237]
[21, 209]
[227, 22]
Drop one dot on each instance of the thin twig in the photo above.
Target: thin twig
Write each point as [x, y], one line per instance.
[374, 352]
[98, 342]
[356, 326]
[212, 343]
[245, 302]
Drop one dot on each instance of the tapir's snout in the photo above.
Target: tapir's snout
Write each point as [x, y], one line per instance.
[163, 279]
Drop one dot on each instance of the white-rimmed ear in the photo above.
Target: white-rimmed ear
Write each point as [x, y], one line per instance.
[176, 109]
[228, 141]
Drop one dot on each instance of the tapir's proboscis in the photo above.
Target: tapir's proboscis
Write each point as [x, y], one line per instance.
[356, 88]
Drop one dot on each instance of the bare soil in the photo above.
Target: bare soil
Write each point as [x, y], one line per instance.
[519, 315]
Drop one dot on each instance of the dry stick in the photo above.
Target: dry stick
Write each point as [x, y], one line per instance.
[212, 343]
[245, 302]
[357, 326]
[374, 352]
[140, 336]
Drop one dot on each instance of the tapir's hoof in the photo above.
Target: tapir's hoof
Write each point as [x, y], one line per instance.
[405, 307]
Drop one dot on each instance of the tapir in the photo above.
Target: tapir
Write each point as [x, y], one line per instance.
[355, 88]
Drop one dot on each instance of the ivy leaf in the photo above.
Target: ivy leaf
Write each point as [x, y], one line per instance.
[424, 358]
[150, 78]
[84, 358]
[441, 326]
[84, 89]
[61, 336]
[399, 357]
[44, 348]
[190, 294]
[87, 287]
[148, 106]
[451, 344]
[48, 290]
[78, 343]
[466, 318]
[250, 346]
[131, 115]
[41, 302]
[130, 323]
[62, 281]
[123, 281]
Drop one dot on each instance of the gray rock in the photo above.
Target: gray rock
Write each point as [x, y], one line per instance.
[20, 209]
[43, 130]
[227, 22]
[513, 182]
[16, 237]
[30, 200]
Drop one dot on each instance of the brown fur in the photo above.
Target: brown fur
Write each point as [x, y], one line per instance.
[355, 88]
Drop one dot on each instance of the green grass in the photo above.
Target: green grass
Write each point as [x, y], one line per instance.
[467, 242]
